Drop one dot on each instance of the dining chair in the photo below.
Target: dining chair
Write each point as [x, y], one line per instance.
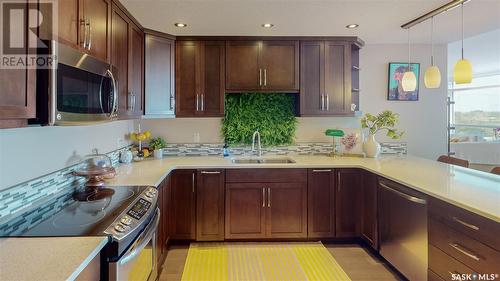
[453, 161]
[495, 170]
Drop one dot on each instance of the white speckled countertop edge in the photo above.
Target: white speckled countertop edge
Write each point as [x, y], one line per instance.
[475, 191]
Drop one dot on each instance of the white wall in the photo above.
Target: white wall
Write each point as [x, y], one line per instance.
[424, 120]
[27, 153]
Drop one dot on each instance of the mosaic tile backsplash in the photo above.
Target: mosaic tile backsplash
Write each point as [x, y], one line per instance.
[28, 203]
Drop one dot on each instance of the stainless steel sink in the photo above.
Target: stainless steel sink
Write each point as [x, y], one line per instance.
[270, 160]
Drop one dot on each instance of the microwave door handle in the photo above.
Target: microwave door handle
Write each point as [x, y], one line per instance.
[115, 93]
[143, 241]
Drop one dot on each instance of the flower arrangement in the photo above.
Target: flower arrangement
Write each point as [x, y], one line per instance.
[384, 121]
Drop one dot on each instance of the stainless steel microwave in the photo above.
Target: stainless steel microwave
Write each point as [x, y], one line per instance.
[81, 90]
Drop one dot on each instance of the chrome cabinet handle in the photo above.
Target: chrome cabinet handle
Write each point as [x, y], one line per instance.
[322, 102]
[83, 43]
[460, 249]
[471, 226]
[327, 102]
[338, 180]
[202, 97]
[89, 43]
[263, 197]
[172, 102]
[197, 102]
[404, 195]
[265, 77]
[268, 197]
[210, 172]
[260, 76]
[192, 185]
[322, 171]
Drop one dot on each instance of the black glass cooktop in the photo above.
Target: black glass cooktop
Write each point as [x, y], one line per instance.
[88, 213]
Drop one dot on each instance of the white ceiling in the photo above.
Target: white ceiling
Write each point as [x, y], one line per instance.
[379, 20]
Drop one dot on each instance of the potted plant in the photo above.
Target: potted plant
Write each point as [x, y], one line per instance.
[384, 121]
[157, 145]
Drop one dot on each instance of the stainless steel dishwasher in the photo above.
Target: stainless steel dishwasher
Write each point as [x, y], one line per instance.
[403, 229]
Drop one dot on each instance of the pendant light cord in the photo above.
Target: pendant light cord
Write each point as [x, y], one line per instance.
[409, 66]
[432, 41]
[462, 30]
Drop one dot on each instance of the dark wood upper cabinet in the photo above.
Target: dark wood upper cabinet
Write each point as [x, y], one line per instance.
[210, 205]
[86, 25]
[245, 211]
[369, 222]
[326, 78]
[321, 203]
[286, 210]
[128, 59]
[183, 205]
[17, 95]
[136, 69]
[262, 66]
[347, 205]
[200, 68]
[159, 76]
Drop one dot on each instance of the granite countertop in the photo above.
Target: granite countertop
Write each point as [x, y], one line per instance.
[476, 191]
[47, 258]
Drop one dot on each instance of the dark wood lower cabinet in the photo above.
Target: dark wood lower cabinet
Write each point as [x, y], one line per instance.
[210, 205]
[321, 203]
[369, 222]
[163, 232]
[183, 205]
[286, 215]
[347, 202]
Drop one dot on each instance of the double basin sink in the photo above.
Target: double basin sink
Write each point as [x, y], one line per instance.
[262, 160]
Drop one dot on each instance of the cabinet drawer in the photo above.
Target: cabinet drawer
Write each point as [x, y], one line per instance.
[266, 175]
[470, 252]
[432, 276]
[444, 266]
[478, 227]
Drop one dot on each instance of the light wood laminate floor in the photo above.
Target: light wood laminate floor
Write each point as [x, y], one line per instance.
[357, 262]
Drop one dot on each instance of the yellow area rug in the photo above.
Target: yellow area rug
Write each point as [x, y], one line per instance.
[261, 261]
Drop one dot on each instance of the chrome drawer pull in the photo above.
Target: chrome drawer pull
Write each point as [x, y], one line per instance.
[471, 226]
[322, 171]
[210, 172]
[459, 248]
[268, 197]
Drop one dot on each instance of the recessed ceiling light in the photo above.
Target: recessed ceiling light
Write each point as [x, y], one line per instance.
[179, 24]
[267, 25]
[351, 26]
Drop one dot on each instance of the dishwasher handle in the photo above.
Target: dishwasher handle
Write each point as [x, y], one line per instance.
[403, 195]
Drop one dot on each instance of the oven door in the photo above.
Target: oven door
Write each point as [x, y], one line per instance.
[84, 91]
[139, 262]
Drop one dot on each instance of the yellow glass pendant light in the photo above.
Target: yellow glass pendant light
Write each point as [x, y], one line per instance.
[409, 80]
[432, 77]
[462, 72]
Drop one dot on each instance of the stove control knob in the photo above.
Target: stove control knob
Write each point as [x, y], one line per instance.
[126, 220]
[120, 227]
[150, 194]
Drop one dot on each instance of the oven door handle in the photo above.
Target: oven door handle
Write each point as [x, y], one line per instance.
[115, 93]
[142, 241]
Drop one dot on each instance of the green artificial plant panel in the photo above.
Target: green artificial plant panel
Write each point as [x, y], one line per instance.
[272, 115]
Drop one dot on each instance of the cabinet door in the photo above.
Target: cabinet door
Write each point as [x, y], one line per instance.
[120, 59]
[159, 75]
[321, 203]
[338, 77]
[69, 24]
[286, 210]
[96, 14]
[163, 226]
[280, 65]
[136, 69]
[187, 78]
[210, 205]
[369, 225]
[245, 211]
[212, 70]
[349, 182]
[243, 71]
[17, 94]
[312, 78]
[183, 204]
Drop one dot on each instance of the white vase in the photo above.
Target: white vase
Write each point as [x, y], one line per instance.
[158, 153]
[371, 147]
